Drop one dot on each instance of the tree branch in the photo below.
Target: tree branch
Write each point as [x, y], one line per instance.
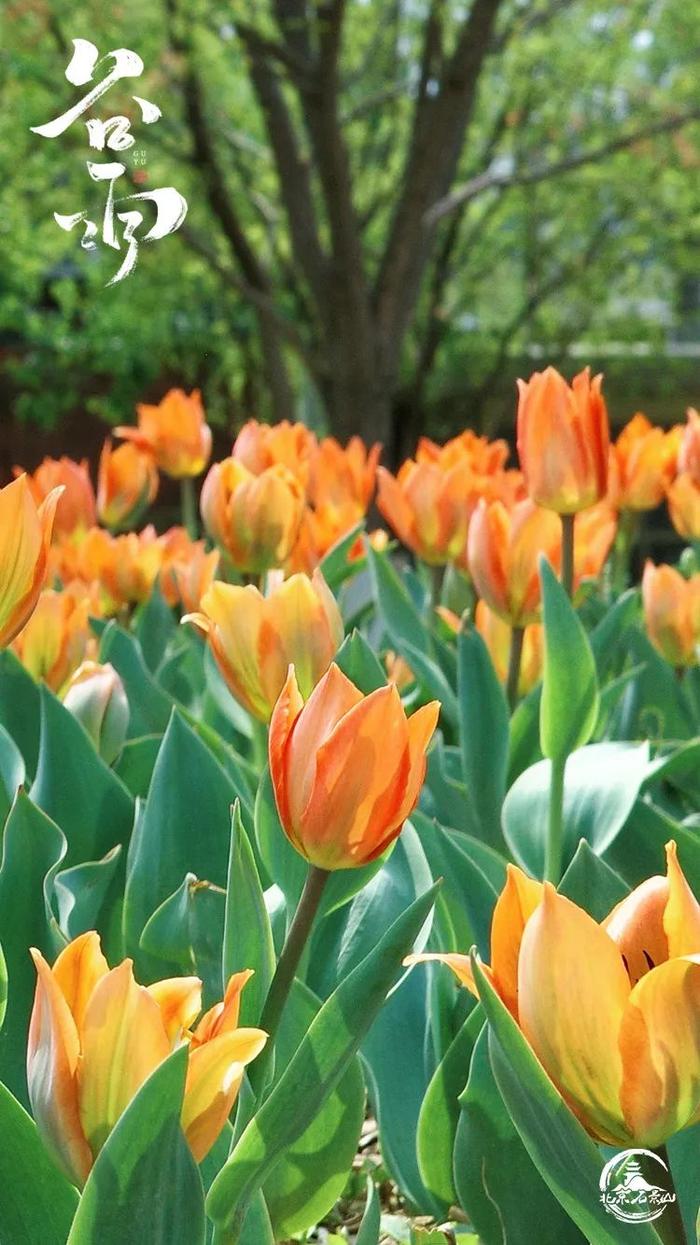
[527, 177]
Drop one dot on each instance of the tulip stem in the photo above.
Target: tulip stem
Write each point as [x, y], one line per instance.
[437, 579]
[567, 552]
[555, 827]
[517, 635]
[669, 1226]
[297, 937]
[188, 504]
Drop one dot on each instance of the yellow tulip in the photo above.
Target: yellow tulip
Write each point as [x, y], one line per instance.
[25, 537]
[95, 1036]
[57, 637]
[612, 1011]
[255, 519]
[255, 639]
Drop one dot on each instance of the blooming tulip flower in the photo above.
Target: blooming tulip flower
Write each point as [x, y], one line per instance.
[255, 639]
[684, 505]
[563, 440]
[25, 538]
[503, 556]
[95, 695]
[347, 769]
[344, 477]
[76, 509]
[187, 571]
[594, 536]
[95, 1036]
[175, 433]
[611, 1011]
[497, 636]
[672, 613]
[429, 507]
[689, 449]
[259, 446]
[255, 519]
[57, 637]
[127, 483]
[643, 464]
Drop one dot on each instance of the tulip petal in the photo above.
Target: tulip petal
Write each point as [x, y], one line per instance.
[332, 698]
[223, 1017]
[573, 990]
[461, 965]
[421, 727]
[514, 907]
[682, 915]
[180, 1002]
[53, 1051]
[660, 1046]
[214, 1075]
[77, 971]
[636, 926]
[284, 715]
[124, 1040]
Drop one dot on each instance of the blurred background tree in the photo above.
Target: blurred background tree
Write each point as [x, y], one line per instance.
[394, 207]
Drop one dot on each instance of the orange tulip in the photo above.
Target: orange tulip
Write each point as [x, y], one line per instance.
[398, 670]
[127, 483]
[255, 639]
[76, 508]
[187, 570]
[563, 440]
[485, 457]
[175, 433]
[684, 505]
[347, 769]
[255, 519]
[95, 1036]
[429, 508]
[672, 613]
[643, 464]
[57, 637]
[689, 449]
[128, 566]
[344, 478]
[594, 534]
[25, 538]
[259, 446]
[611, 1011]
[95, 695]
[497, 635]
[503, 557]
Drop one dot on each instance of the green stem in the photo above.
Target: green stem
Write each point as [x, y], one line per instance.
[669, 1226]
[567, 552]
[297, 937]
[437, 578]
[188, 505]
[259, 744]
[555, 827]
[517, 635]
[627, 531]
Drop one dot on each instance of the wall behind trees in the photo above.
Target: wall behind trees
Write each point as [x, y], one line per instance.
[395, 206]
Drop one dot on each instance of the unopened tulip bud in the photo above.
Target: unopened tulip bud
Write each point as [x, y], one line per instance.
[563, 440]
[127, 483]
[255, 519]
[75, 511]
[97, 698]
[25, 538]
[672, 613]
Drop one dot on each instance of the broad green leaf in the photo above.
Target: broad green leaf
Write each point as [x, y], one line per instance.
[85, 893]
[483, 721]
[525, 747]
[149, 707]
[184, 829]
[609, 637]
[444, 795]
[474, 878]
[145, 1183]
[684, 1156]
[3, 987]
[75, 787]
[247, 933]
[155, 626]
[37, 1202]
[569, 706]
[20, 708]
[601, 784]
[433, 682]
[12, 773]
[335, 566]
[653, 705]
[318, 1065]
[360, 663]
[368, 1231]
[32, 847]
[311, 1175]
[498, 1185]
[439, 1113]
[400, 617]
[638, 852]
[563, 1153]
[186, 933]
[591, 883]
[136, 762]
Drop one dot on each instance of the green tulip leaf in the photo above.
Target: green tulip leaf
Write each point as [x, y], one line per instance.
[483, 721]
[569, 706]
[247, 941]
[37, 1202]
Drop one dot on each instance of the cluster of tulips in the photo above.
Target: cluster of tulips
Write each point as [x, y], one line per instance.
[476, 693]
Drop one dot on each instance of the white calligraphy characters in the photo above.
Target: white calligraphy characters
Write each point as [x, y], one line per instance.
[114, 134]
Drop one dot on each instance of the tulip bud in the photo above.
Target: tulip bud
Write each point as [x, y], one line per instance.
[643, 463]
[429, 507]
[96, 697]
[347, 769]
[25, 537]
[57, 637]
[255, 519]
[672, 613]
[503, 556]
[174, 433]
[127, 483]
[255, 639]
[684, 506]
[689, 450]
[563, 440]
[259, 446]
[76, 509]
